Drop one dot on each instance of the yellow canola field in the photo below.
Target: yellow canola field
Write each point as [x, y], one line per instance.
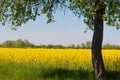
[67, 58]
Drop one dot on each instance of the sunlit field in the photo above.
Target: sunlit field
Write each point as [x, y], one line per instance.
[52, 64]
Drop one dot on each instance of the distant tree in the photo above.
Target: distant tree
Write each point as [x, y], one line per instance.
[83, 46]
[71, 46]
[77, 46]
[110, 46]
[27, 43]
[49, 46]
[59, 46]
[95, 12]
[88, 44]
[16, 44]
[7, 44]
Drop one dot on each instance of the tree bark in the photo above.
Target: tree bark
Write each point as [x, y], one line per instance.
[97, 60]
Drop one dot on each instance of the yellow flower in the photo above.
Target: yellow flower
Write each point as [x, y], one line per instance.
[64, 58]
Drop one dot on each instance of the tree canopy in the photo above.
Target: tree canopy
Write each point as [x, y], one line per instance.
[16, 44]
[17, 12]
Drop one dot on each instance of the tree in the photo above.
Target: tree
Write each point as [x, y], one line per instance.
[27, 43]
[18, 43]
[95, 12]
[7, 44]
[86, 45]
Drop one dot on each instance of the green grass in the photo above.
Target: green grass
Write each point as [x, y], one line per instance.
[14, 71]
[33, 71]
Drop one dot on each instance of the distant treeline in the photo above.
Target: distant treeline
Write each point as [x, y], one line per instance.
[26, 44]
[16, 44]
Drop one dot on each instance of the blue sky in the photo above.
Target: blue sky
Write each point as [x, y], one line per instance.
[67, 29]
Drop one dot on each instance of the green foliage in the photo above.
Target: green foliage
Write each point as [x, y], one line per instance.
[110, 46]
[16, 44]
[88, 9]
[86, 45]
[25, 44]
[18, 12]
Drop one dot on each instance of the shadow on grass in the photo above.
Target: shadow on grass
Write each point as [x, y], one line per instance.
[113, 75]
[71, 74]
[80, 74]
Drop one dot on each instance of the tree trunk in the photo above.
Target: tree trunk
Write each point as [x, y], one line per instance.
[97, 60]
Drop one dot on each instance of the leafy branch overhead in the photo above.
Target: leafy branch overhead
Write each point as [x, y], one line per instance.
[17, 12]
